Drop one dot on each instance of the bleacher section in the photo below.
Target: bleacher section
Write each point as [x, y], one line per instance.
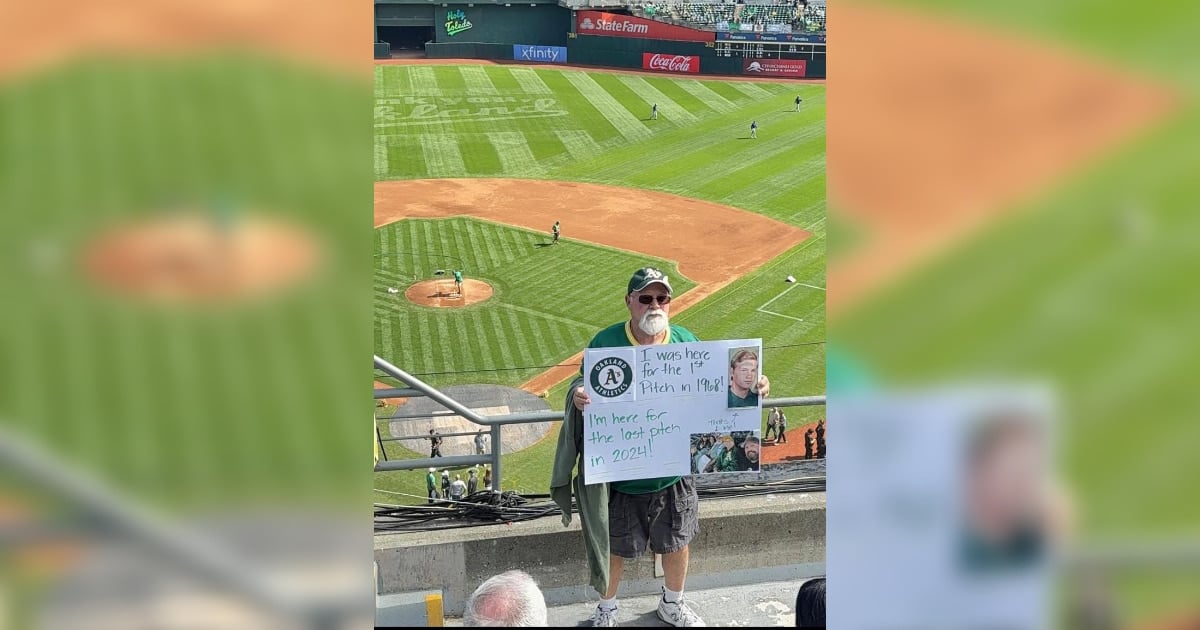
[704, 14]
[758, 15]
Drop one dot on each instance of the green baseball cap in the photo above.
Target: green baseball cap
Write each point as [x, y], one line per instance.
[645, 277]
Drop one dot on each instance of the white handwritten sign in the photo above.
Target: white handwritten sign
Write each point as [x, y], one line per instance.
[646, 402]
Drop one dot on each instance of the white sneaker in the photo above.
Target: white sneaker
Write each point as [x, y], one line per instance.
[604, 618]
[678, 614]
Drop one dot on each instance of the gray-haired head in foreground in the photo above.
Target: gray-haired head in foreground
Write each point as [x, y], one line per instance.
[511, 599]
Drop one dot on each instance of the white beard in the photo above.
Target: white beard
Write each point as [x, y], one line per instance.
[654, 322]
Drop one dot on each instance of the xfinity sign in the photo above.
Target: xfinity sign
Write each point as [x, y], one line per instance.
[540, 54]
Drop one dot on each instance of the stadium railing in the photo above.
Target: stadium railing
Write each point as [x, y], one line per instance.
[417, 388]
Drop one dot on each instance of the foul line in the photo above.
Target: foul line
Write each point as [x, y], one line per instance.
[763, 308]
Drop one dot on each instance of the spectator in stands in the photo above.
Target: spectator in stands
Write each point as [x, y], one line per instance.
[656, 514]
[472, 482]
[810, 604]
[509, 600]
[458, 489]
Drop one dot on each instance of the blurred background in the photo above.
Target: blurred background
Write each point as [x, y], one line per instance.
[1012, 196]
[186, 195]
[185, 234]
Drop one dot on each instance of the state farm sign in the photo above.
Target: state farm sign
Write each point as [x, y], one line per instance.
[794, 68]
[613, 25]
[671, 63]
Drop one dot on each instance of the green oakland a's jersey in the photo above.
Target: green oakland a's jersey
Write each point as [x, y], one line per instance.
[620, 336]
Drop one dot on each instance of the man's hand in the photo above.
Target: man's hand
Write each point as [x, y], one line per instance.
[764, 386]
[580, 397]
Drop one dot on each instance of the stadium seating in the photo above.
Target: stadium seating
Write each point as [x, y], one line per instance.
[769, 15]
[704, 14]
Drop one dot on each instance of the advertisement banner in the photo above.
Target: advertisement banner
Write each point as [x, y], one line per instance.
[794, 38]
[671, 63]
[543, 54]
[613, 25]
[794, 68]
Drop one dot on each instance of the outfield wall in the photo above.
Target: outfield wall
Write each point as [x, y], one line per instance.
[490, 31]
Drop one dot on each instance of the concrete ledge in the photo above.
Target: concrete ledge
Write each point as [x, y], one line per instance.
[741, 540]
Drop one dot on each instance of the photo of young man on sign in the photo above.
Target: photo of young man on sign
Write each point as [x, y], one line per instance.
[743, 377]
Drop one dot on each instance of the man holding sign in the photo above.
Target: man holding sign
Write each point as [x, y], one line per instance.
[660, 514]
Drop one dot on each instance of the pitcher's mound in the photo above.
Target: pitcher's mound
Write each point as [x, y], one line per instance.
[443, 293]
[192, 257]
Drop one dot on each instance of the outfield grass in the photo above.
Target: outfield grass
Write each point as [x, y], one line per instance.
[595, 127]
[187, 407]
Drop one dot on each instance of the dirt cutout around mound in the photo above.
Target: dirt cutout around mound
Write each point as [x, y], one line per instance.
[713, 244]
[441, 293]
[190, 258]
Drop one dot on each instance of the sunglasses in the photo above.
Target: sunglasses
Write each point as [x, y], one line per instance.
[661, 299]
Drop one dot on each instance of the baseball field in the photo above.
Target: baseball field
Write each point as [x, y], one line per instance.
[474, 164]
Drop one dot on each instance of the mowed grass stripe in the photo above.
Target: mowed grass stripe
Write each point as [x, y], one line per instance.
[477, 80]
[620, 118]
[479, 156]
[578, 143]
[729, 93]
[673, 89]
[810, 188]
[516, 158]
[442, 156]
[530, 81]
[582, 114]
[451, 82]
[706, 95]
[754, 162]
[504, 340]
[751, 90]
[423, 81]
[765, 182]
[382, 163]
[405, 157]
[393, 83]
[668, 109]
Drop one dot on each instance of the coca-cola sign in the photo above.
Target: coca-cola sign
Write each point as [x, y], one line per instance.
[794, 68]
[671, 63]
[614, 25]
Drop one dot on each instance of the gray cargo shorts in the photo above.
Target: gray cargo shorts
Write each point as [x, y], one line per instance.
[665, 521]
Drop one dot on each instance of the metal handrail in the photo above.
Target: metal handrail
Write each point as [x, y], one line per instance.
[495, 422]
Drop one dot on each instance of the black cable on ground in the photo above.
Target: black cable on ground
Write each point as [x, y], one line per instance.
[490, 508]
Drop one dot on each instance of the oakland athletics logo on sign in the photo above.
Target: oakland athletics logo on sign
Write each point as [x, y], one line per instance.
[611, 377]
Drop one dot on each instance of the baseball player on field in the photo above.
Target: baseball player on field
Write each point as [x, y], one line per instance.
[555, 230]
[654, 112]
[753, 128]
[798, 99]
